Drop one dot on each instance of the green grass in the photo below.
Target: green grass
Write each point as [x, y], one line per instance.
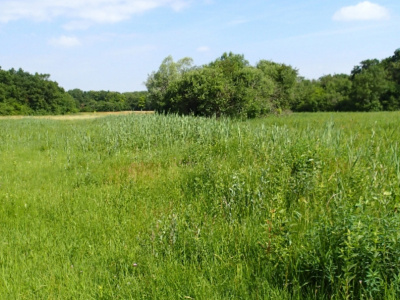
[304, 206]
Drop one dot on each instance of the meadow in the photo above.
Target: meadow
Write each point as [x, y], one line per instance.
[301, 206]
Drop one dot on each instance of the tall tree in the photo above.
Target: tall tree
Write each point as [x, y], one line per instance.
[24, 93]
[369, 84]
[285, 78]
[158, 82]
[391, 100]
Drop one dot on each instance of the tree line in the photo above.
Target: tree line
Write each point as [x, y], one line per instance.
[22, 93]
[227, 86]
[372, 85]
[231, 86]
[91, 101]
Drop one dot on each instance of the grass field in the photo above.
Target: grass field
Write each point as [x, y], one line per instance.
[303, 206]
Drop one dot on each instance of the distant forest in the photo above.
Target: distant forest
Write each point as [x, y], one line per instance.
[22, 93]
[227, 86]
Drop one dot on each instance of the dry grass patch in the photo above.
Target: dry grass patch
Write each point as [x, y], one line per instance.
[79, 116]
[144, 170]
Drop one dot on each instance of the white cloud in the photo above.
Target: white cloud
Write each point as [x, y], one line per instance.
[363, 11]
[203, 49]
[65, 41]
[81, 11]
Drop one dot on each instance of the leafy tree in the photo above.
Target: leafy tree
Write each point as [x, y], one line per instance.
[137, 101]
[24, 93]
[337, 89]
[158, 82]
[203, 91]
[230, 64]
[109, 101]
[369, 84]
[227, 86]
[285, 79]
[303, 90]
[254, 92]
[391, 100]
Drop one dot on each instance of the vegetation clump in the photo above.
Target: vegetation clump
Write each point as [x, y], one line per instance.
[230, 86]
[22, 93]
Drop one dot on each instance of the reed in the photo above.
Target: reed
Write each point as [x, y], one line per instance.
[302, 206]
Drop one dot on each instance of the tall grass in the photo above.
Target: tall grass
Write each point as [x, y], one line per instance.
[304, 206]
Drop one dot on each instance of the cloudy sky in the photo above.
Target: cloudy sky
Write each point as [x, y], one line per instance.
[114, 44]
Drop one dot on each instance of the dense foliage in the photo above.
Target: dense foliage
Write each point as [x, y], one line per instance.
[301, 206]
[92, 101]
[373, 85]
[230, 86]
[22, 93]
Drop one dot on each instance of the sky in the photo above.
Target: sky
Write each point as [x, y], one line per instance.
[115, 44]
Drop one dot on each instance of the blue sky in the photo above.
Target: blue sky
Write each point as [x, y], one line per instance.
[114, 44]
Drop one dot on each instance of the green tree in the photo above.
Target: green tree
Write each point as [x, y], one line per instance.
[137, 101]
[391, 100]
[24, 93]
[285, 79]
[230, 64]
[369, 84]
[303, 91]
[228, 86]
[203, 91]
[158, 82]
[337, 89]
